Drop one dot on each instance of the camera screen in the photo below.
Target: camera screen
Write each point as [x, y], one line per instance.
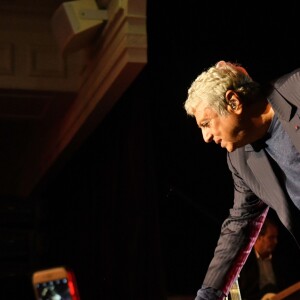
[53, 290]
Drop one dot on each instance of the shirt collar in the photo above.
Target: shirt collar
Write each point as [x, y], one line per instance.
[259, 257]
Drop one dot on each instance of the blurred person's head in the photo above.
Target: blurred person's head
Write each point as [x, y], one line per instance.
[267, 238]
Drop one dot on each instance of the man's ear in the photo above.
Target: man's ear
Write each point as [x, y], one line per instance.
[233, 101]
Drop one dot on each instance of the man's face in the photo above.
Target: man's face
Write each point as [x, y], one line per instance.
[266, 243]
[228, 131]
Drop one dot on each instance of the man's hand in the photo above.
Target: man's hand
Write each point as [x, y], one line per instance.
[268, 296]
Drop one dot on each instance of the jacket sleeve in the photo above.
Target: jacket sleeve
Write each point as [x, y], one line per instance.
[237, 237]
[208, 293]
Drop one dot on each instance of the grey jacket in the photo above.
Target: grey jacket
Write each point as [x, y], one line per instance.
[256, 188]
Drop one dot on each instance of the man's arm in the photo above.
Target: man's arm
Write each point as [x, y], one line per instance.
[234, 245]
[238, 235]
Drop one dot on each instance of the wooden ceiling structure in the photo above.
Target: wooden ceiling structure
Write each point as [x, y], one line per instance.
[50, 102]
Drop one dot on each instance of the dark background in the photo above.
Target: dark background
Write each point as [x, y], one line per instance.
[136, 211]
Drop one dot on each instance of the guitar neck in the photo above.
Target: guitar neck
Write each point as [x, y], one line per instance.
[235, 293]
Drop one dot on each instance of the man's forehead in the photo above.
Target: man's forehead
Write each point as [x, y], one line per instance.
[203, 111]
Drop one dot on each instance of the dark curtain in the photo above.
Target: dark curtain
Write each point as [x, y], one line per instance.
[99, 215]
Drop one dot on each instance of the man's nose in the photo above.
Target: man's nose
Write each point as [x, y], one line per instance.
[207, 136]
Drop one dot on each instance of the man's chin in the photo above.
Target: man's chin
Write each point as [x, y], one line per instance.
[230, 149]
[233, 147]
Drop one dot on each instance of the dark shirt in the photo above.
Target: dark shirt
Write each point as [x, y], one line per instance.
[249, 280]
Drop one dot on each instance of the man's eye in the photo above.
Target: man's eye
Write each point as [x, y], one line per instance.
[205, 124]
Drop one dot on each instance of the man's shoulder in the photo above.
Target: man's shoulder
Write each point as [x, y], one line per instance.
[289, 82]
[285, 93]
